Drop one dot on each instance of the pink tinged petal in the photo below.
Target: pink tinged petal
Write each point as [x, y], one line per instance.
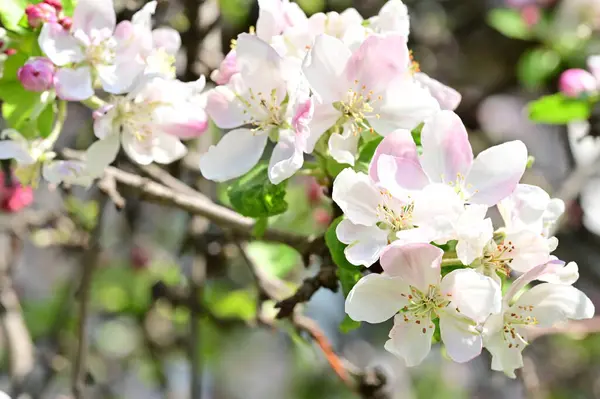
[94, 15]
[224, 108]
[104, 121]
[504, 359]
[270, 19]
[227, 69]
[400, 176]
[324, 68]
[143, 17]
[531, 249]
[356, 195]
[460, 338]
[474, 295]
[344, 147]
[404, 105]
[167, 149]
[496, 172]
[448, 98]
[525, 207]
[166, 38]
[188, 129]
[260, 65]
[286, 160]
[447, 153]
[529, 276]
[417, 264]
[365, 243]
[558, 273]
[378, 61]
[409, 340]
[324, 117]
[398, 144]
[101, 154]
[303, 114]
[58, 45]
[236, 153]
[74, 84]
[556, 303]
[376, 298]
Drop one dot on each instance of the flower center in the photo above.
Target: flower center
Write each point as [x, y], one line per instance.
[497, 258]
[136, 118]
[392, 214]
[460, 186]
[512, 321]
[159, 61]
[358, 106]
[424, 306]
[265, 112]
[101, 52]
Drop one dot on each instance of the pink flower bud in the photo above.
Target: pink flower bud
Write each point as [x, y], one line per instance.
[54, 3]
[66, 22]
[38, 14]
[531, 15]
[322, 217]
[10, 51]
[314, 191]
[37, 74]
[15, 197]
[577, 82]
[226, 70]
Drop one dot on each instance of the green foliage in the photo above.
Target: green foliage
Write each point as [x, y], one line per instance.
[11, 12]
[348, 325]
[235, 11]
[537, 65]
[509, 22]
[255, 196]
[84, 212]
[559, 109]
[276, 259]
[365, 154]
[225, 303]
[41, 316]
[69, 7]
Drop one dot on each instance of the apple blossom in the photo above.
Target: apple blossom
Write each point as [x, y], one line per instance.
[227, 69]
[371, 85]
[149, 122]
[274, 16]
[576, 82]
[37, 74]
[268, 95]
[412, 290]
[35, 158]
[447, 158]
[38, 14]
[95, 46]
[545, 305]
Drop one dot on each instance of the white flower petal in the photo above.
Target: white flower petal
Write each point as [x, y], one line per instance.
[409, 340]
[365, 243]
[140, 151]
[286, 160]
[530, 250]
[74, 84]
[474, 295]
[496, 172]
[167, 38]
[101, 154]
[418, 264]
[58, 45]
[461, 340]
[91, 16]
[356, 195]
[376, 298]
[504, 359]
[237, 152]
[10, 149]
[344, 147]
[167, 149]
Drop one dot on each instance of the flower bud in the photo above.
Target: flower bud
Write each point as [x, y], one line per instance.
[314, 192]
[66, 22]
[38, 14]
[10, 51]
[37, 74]
[226, 70]
[54, 3]
[15, 197]
[322, 217]
[577, 82]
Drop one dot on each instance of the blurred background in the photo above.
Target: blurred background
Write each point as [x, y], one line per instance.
[146, 340]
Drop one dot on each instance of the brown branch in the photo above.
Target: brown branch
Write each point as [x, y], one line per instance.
[200, 205]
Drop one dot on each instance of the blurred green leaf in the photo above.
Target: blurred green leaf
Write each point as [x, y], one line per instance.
[334, 168]
[11, 12]
[41, 315]
[536, 66]
[277, 259]
[348, 325]
[260, 227]
[235, 11]
[69, 7]
[347, 272]
[255, 196]
[509, 22]
[368, 150]
[86, 212]
[226, 303]
[558, 109]
[311, 6]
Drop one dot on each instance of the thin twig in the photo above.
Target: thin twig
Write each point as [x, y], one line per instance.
[199, 205]
[90, 260]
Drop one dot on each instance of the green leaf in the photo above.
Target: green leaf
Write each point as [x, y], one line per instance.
[558, 109]
[348, 325]
[348, 273]
[368, 150]
[260, 227]
[235, 304]
[536, 66]
[276, 259]
[416, 134]
[69, 7]
[509, 22]
[255, 196]
[334, 168]
[11, 12]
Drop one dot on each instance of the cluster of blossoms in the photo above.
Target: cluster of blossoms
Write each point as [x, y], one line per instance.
[325, 85]
[149, 111]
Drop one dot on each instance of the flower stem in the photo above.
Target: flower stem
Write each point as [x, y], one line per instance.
[61, 116]
[93, 102]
